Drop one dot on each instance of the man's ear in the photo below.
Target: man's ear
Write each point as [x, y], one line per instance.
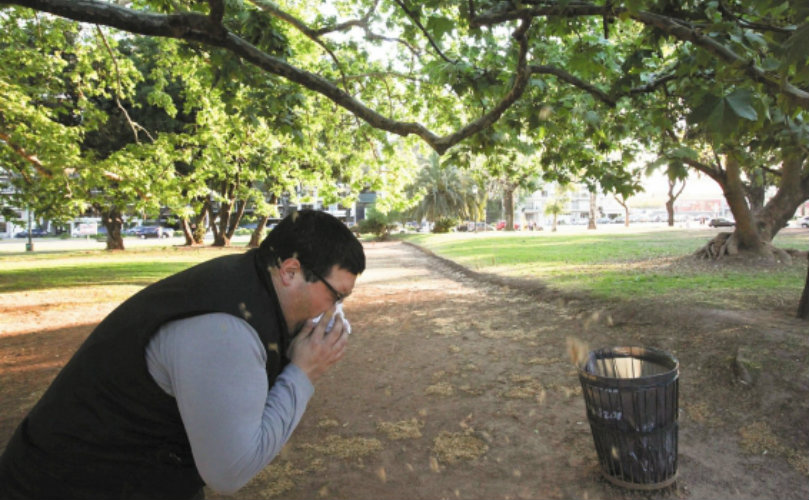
[288, 269]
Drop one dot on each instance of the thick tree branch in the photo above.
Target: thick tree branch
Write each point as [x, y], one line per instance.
[217, 11]
[45, 172]
[576, 82]
[572, 9]
[695, 36]
[315, 33]
[712, 172]
[674, 27]
[521, 78]
[672, 184]
[28, 157]
[301, 26]
[609, 100]
[118, 178]
[738, 19]
[652, 86]
[199, 28]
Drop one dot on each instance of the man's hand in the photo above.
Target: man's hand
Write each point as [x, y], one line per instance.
[314, 351]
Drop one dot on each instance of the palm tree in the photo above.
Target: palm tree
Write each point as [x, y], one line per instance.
[558, 203]
[556, 207]
[444, 192]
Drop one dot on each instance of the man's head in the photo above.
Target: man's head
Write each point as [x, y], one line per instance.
[314, 261]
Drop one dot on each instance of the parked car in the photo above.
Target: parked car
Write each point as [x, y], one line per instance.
[804, 222]
[35, 233]
[502, 225]
[153, 232]
[721, 222]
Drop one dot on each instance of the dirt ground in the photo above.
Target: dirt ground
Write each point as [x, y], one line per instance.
[458, 385]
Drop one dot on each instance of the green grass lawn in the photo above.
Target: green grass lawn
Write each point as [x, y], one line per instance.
[652, 264]
[37, 271]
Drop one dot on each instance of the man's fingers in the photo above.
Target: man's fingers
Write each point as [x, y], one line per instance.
[336, 333]
[339, 348]
[321, 325]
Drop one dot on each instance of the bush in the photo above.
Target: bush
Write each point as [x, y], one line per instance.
[444, 224]
[373, 226]
[376, 223]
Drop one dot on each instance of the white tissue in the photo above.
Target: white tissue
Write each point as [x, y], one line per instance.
[338, 311]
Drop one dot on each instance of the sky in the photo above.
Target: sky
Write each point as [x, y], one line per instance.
[696, 187]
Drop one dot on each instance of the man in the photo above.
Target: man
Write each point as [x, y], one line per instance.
[197, 379]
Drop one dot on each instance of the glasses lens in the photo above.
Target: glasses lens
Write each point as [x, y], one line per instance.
[338, 297]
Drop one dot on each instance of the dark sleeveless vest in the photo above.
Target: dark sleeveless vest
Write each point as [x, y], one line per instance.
[104, 428]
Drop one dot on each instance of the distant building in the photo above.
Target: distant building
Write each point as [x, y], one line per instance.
[577, 209]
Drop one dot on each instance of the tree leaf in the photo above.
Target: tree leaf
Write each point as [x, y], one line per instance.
[439, 26]
[740, 101]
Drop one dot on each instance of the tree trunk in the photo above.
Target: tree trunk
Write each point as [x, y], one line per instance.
[670, 212]
[755, 194]
[746, 233]
[194, 230]
[201, 223]
[255, 238]
[591, 222]
[233, 222]
[188, 232]
[228, 221]
[624, 204]
[553, 228]
[214, 225]
[754, 234]
[508, 207]
[113, 221]
[745, 236]
[803, 305]
[672, 199]
[220, 234]
[792, 191]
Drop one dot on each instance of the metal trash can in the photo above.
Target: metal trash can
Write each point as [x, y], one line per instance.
[631, 394]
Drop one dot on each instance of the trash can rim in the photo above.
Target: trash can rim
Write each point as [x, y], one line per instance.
[648, 353]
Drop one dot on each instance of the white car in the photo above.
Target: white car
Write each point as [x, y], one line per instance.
[804, 222]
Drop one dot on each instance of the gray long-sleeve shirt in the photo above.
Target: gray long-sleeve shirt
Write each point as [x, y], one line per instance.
[214, 366]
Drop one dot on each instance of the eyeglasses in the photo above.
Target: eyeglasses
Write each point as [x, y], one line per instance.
[338, 297]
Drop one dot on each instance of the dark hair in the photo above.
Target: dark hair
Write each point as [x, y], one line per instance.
[318, 240]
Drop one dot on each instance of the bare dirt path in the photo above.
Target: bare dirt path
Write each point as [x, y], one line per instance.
[455, 387]
[458, 386]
